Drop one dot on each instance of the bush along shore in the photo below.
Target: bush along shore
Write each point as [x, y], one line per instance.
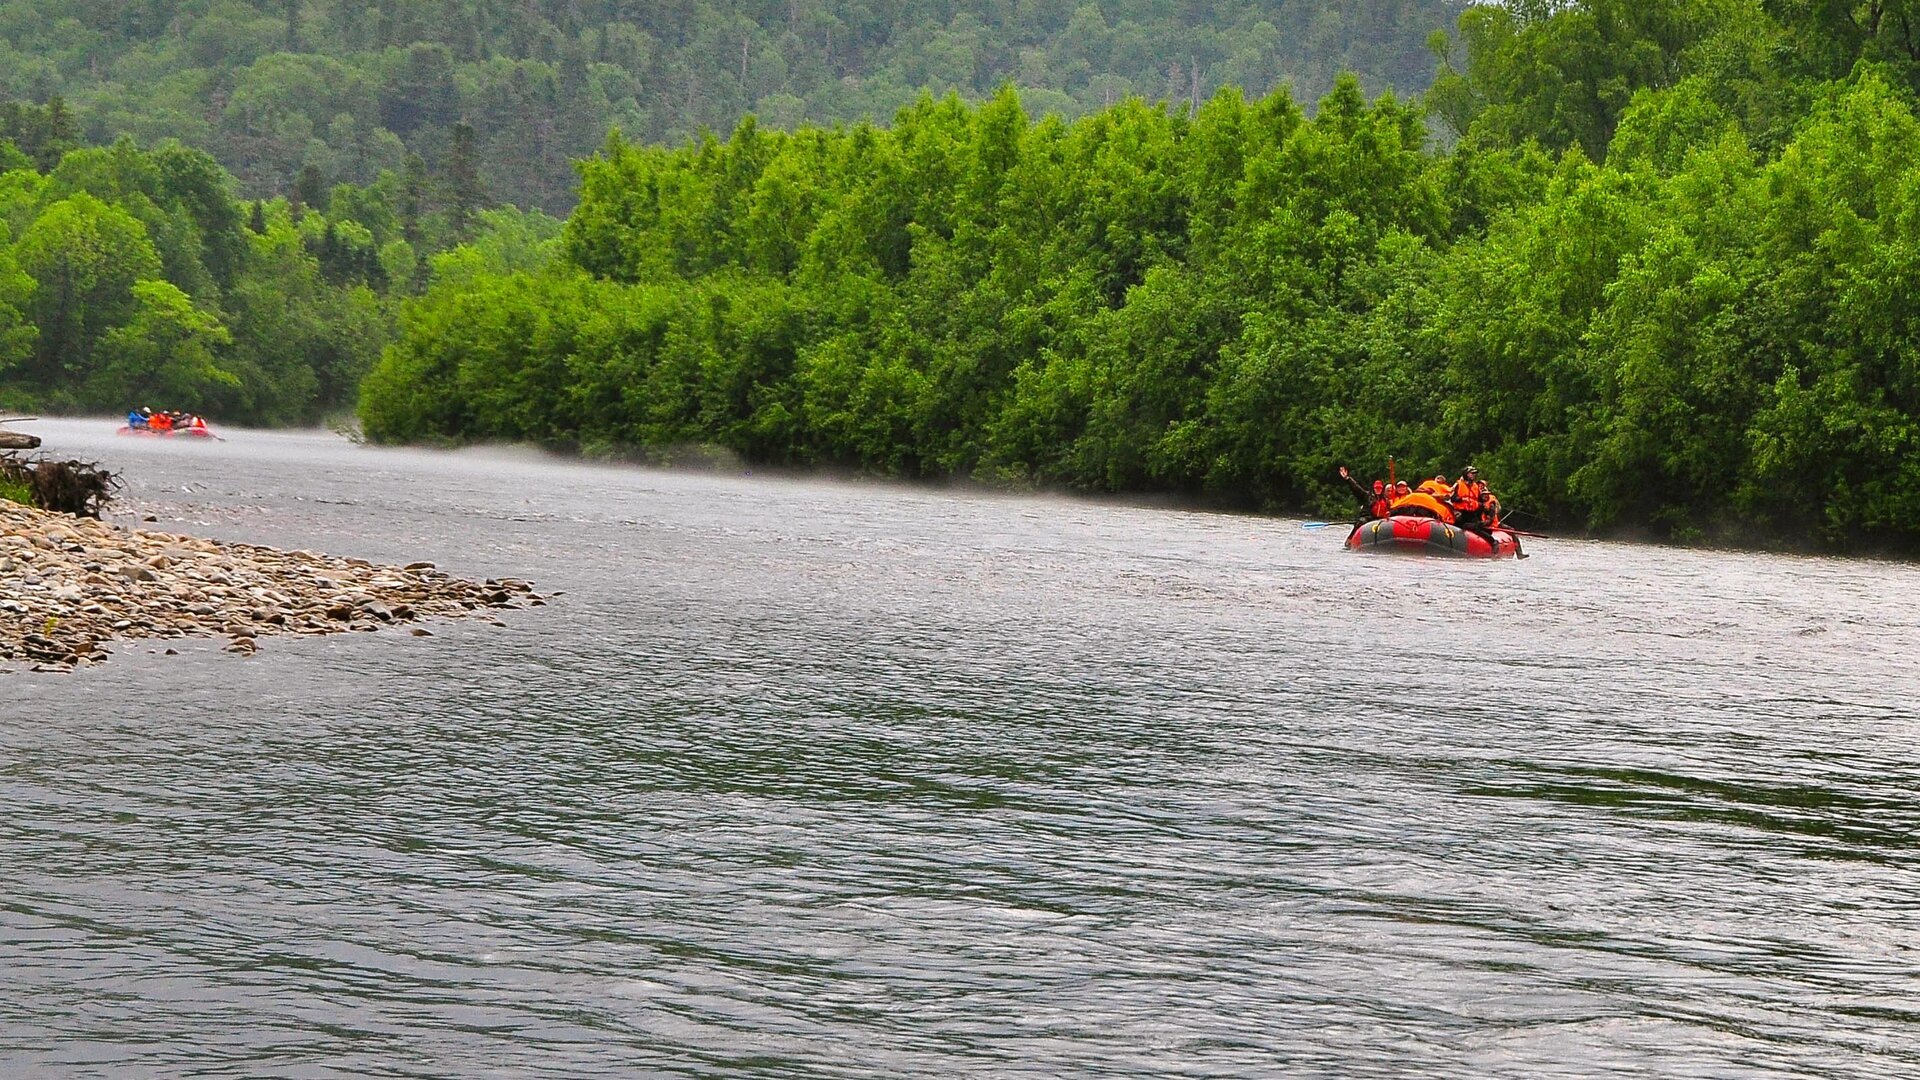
[71, 586]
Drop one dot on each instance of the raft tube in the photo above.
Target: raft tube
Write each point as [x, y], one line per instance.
[176, 433]
[1425, 536]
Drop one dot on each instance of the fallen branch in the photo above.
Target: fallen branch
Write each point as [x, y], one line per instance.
[80, 488]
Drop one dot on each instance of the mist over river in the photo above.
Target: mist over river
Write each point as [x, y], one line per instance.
[812, 779]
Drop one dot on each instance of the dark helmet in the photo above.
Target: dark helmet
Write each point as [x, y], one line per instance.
[1471, 471]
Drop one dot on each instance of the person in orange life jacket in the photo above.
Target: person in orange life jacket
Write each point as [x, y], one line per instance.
[1490, 520]
[1401, 490]
[1376, 503]
[160, 421]
[1469, 498]
[1436, 487]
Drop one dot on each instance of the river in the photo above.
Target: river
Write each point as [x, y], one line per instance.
[834, 779]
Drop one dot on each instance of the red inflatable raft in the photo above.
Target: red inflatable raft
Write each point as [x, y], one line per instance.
[172, 433]
[1422, 535]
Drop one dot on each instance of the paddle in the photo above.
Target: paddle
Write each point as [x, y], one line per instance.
[1320, 524]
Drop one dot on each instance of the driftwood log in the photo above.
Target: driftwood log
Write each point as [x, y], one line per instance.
[15, 440]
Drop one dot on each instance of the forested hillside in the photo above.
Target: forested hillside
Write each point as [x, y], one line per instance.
[1663, 280]
[349, 87]
[131, 277]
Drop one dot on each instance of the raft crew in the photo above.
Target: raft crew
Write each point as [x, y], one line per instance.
[1468, 502]
[166, 421]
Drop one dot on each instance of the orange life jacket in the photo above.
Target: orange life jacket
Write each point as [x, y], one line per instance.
[160, 422]
[1434, 488]
[1466, 494]
[1421, 504]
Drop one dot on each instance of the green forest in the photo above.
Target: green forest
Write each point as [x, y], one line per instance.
[131, 276]
[1649, 264]
[349, 88]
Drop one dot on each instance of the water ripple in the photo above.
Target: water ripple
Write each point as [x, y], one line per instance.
[814, 780]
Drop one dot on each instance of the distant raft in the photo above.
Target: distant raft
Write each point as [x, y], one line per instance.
[169, 433]
[1420, 535]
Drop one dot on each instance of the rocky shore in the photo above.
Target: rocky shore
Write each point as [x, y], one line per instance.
[69, 587]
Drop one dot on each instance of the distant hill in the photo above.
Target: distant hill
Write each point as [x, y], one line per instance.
[352, 87]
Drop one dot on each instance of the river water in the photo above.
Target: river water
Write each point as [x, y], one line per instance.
[811, 779]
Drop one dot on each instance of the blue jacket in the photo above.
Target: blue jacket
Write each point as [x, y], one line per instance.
[134, 419]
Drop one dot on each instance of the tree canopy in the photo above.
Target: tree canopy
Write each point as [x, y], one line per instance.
[131, 276]
[351, 87]
[1645, 262]
[1649, 270]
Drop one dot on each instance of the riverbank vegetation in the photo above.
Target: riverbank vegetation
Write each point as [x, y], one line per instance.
[348, 89]
[1658, 278]
[131, 276]
[14, 489]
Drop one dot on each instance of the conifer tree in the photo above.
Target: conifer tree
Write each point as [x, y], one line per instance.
[465, 195]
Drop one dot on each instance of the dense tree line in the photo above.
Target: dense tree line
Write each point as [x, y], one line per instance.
[1660, 277]
[351, 87]
[132, 277]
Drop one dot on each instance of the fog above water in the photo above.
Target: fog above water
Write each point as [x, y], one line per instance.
[809, 778]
